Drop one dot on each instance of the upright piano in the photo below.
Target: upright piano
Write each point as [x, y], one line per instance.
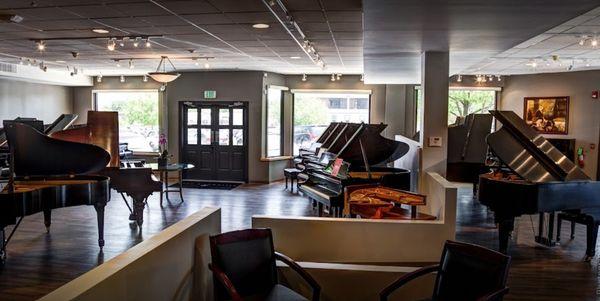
[365, 153]
[46, 174]
[102, 130]
[532, 177]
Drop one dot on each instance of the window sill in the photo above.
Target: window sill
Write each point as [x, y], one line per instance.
[278, 158]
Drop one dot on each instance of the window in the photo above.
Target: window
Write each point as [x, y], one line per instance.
[138, 117]
[274, 122]
[314, 111]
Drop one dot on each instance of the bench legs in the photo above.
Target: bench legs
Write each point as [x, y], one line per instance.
[591, 231]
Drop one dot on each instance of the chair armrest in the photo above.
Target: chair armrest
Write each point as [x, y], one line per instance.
[494, 295]
[316, 288]
[404, 279]
[219, 274]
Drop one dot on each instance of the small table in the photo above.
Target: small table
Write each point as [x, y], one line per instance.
[163, 172]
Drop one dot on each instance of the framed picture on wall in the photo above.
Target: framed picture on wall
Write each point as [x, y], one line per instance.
[547, 115]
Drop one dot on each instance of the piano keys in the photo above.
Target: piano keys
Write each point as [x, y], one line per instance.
[379, 202]
[365, 153]
[46, 174]
[533, 177]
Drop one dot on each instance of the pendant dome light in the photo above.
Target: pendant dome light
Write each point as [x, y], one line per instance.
[164, 76]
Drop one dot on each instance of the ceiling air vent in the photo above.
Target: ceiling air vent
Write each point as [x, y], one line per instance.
[4, 67]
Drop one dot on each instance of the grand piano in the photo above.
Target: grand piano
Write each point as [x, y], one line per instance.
[531, 177]
[364, 154]
[467, 149]
[46, 174]
[102, 130]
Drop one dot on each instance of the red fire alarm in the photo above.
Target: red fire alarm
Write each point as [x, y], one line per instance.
[595, 94]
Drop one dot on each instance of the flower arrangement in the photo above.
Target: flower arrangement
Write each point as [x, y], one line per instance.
[162, 148]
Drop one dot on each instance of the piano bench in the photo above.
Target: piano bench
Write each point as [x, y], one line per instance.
[590, 221]
[292, 174]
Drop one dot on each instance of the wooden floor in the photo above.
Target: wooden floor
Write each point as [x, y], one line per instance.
[38, 262]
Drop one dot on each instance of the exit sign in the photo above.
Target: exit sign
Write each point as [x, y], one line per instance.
[209, 94]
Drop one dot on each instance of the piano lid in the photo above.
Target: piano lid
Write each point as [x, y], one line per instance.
[528, 154]
[378, 149]
[35, 154]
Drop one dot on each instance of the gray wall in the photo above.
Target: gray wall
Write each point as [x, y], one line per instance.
[584, 112]
[24, 99]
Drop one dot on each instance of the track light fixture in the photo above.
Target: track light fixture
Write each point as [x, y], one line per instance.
[332, 77]
[148, 43]
[136, 42]
[131, 66]
[122, 79]
[206, 65]
[338, 76]
[145, 78]
[99, 78]
[118, 63]
[362, 77]
[594, 42]
[303, 77]
[41, 46]
[459, 78]
[111, 44]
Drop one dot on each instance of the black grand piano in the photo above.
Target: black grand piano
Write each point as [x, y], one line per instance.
[46, 174]
[365, 154]
[533, 177]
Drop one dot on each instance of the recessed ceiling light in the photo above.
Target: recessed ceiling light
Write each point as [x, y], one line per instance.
[100, 30]
[261, 26]
[295, 57]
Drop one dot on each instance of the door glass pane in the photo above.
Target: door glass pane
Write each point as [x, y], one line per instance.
[205, 138]
[192, 116]
[205, 118]
[224, 136]
[238, 116]
[238, 136]
[192, 136]
[223, 116]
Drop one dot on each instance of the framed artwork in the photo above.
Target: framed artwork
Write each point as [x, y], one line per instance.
[547, 115]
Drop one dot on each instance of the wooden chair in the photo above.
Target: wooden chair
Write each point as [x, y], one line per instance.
[466, 272]
[243, 266]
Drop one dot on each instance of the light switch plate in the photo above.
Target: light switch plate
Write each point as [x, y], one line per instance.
[435, 141]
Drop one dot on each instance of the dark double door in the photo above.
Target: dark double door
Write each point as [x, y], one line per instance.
[214, 137]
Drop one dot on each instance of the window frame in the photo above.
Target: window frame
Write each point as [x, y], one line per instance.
[293, 105]
[161, 119]
[281, 121]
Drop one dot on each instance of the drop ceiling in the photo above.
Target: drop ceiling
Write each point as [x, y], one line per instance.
[397, 32]
[214, 28]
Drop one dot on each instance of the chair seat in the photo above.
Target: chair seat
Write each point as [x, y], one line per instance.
[292, 171]
[278, 293]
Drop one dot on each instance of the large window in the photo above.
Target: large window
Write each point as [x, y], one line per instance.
[274, 122]
[314, 111]
[138, 117]
[461, 102]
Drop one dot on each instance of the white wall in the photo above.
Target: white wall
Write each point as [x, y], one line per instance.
[24, 99]
[584, 112]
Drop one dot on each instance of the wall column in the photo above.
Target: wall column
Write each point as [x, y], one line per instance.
[434, 84]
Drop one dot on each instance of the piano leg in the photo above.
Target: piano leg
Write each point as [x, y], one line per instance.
[47, 219]
[138, 210]
[591, 236]
[2, 247]
[100, 215]
[505, 227]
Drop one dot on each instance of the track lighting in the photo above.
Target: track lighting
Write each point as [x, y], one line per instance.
[362, 77]
[499, 78]
[136, 42]
[111, 45]
[148, 43]
[122, 79]
[206, 65]
[99, 78]
[131, 66]
[594, 42]
[118, 63]
[303, 77]
[145, 78]
[41, 46]
[122, 42]
[459, 78]
[339, 76]
[333, 77]
[20, 61]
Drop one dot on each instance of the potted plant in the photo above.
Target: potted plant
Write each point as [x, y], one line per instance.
[163, 159]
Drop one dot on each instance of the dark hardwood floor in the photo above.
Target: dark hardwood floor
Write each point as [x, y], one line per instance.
[39, 262]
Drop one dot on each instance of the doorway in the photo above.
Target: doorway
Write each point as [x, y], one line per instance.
[214, 137]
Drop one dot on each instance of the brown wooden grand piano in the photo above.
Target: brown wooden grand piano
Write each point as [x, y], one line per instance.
[46, 174]
[366, 154]
[379, 202]
[102, 129]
